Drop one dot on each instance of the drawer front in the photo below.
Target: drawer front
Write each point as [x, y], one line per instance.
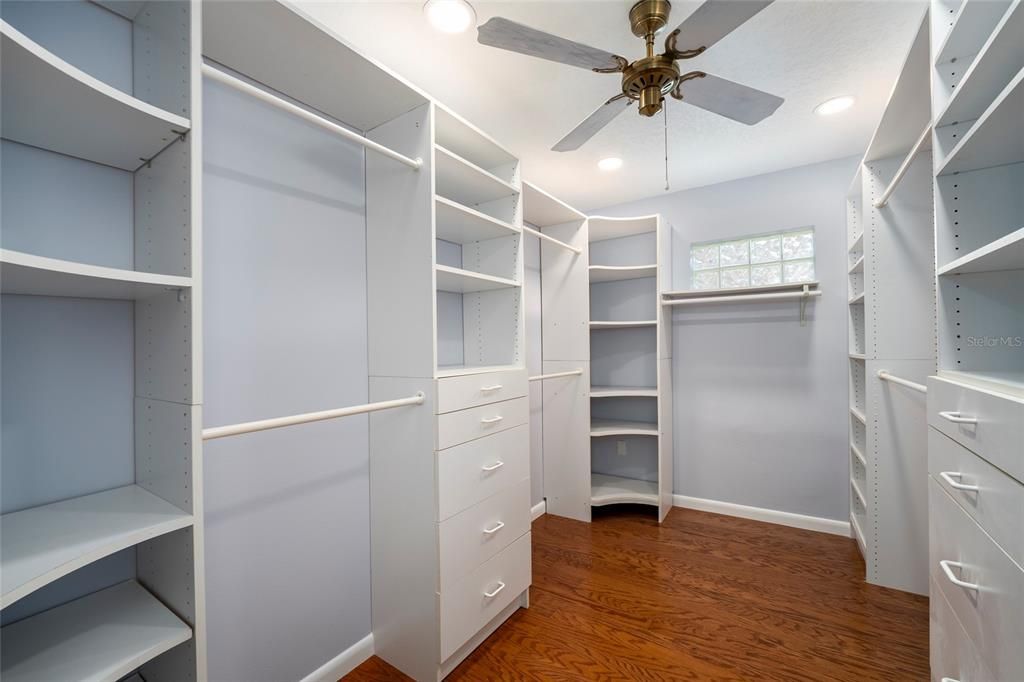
[473, 471]
[990, 497]
[990, 424]
[476, 422]
[991, 612]
[472, 537]
[470, 390]
[466, 607]
[953, 655]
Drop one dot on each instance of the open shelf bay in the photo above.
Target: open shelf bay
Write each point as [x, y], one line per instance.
[606, 489]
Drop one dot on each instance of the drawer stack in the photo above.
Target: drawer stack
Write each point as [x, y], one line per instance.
[483, 510]
[976, 538]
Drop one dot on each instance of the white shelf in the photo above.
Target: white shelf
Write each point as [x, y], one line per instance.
[858, 493]
[461, 281]
[859, 415]
[602, 227]
[465, 182]
[462, 370]
[995, 65]
[621, 427]
[607, 324]
[469, 142]
[623, 392]
[858, 535]
[860, 456]
[995, 139]
[1007, 381]
[858, 243]
[615, 273]
[25, 273]
[1005, 253]
[100, 638]
[463, 225]
[41, 544]
[543, 210]
[858, 299]
[857, 266]
[617, 490]
[48, 103]
[857, 356]
[972, 24]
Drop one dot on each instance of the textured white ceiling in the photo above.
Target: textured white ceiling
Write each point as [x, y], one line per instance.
[803, 50]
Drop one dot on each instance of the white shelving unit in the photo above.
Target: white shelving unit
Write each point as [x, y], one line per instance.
[621, 427]
[100, 304]
[620, 490]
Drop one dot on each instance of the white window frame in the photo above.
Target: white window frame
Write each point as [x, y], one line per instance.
[698, 275]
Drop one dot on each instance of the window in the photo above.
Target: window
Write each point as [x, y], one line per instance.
[756, 261]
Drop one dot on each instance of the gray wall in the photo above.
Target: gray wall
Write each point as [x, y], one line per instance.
[761, 402]
[287, 511]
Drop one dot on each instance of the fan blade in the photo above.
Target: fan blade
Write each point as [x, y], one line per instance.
[508, 35]
[714, 20]
[732, 100]
[604, 115]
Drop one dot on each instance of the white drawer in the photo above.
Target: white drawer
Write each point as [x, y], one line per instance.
[476, 422]
[994, 426]
[470, 390]
[476, 470]
[472, 537]
[996, 501]
[953, 655]
[466, 607]
[992, 614]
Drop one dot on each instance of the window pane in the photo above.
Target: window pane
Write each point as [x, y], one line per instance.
[735, 277]
[798, 245]
[704, 257]
[734, 253]
[764, 275]
[798, 271]
[765, 249]
[705, 280]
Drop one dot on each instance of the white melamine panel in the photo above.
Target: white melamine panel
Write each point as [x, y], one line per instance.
[994, 139]
[473, 536]
[476, 422]
[567, 441]
[466, 607]
[473, 471]
[1005, 253]
[952, 654]
[164, 214]
[493, 327]
[24, 273]
[614, 273]
[621, 427]
[994, 500]
[973, 210]
[457, 280]
[164, 334]
[463, 138]
[626, 324]
[666, 456]
[997, 435]
[42, 544]
[51, 104]
[543, 210]
[565, 294]
[973, 23]
[617, 490]
[623, 392]
[601, 227]
[470, 390]
[467, 183]
[162, 48]
[98, 638]
[993, 612]
[462, 225]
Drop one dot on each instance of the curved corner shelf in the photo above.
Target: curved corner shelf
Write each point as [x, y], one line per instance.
[620, 427]
[858, 243]
[860, 416]
[615, 273]
[606, 489]
[463, 225]
[858, 299]
[627, 324]
[459, 281]
[860, 496]
[623, 392]
[857, 266]
[102, 636]
[859, 455]
[49, 103]
[465, 182]
[858, 535]
[41, 544]
[858, 356]
[604, 227]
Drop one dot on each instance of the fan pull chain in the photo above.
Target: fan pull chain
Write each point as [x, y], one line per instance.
[664, 110]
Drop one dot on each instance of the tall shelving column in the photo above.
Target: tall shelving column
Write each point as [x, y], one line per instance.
[102, 544]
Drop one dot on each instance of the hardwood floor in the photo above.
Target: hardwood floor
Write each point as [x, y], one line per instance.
[701, 597]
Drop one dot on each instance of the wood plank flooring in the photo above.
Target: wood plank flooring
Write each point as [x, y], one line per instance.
[701, 597]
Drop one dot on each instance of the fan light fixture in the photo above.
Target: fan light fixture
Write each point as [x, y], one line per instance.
[450, 16]
[612, 163]
[834, 105]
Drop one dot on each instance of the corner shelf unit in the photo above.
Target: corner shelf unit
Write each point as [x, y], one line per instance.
[101, 551]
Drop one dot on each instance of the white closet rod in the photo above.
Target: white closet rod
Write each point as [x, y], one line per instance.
[537, 233]
[263, 95]
[744, 297]
[885, 376]
[556, 375]
[278, 422]
[914, 151]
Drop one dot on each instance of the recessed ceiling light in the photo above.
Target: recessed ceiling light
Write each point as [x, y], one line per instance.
[612, 163]
[449, 16]
[834, 105]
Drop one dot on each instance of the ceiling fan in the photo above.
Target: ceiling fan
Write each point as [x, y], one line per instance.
[649, 79]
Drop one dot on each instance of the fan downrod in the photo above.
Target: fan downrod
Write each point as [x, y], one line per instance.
[649, 79]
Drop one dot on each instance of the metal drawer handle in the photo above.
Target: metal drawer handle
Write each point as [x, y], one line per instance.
[957, 419]
[945, 564]
[495, 528]
[494, 593]
[488, 389]
[492, 467]
[947, 476]
[491, 420]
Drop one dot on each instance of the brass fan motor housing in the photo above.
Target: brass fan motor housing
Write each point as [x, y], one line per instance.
[647, 17]
[649, 80]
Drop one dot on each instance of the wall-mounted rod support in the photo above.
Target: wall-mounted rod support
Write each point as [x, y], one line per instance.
[278, 422]
[263, 95]
[902, 170]
[885, 376]
[556, 375]
[537, 233]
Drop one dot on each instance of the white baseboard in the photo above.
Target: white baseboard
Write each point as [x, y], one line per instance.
[344, 663]
[538, 510]
[781, 518]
